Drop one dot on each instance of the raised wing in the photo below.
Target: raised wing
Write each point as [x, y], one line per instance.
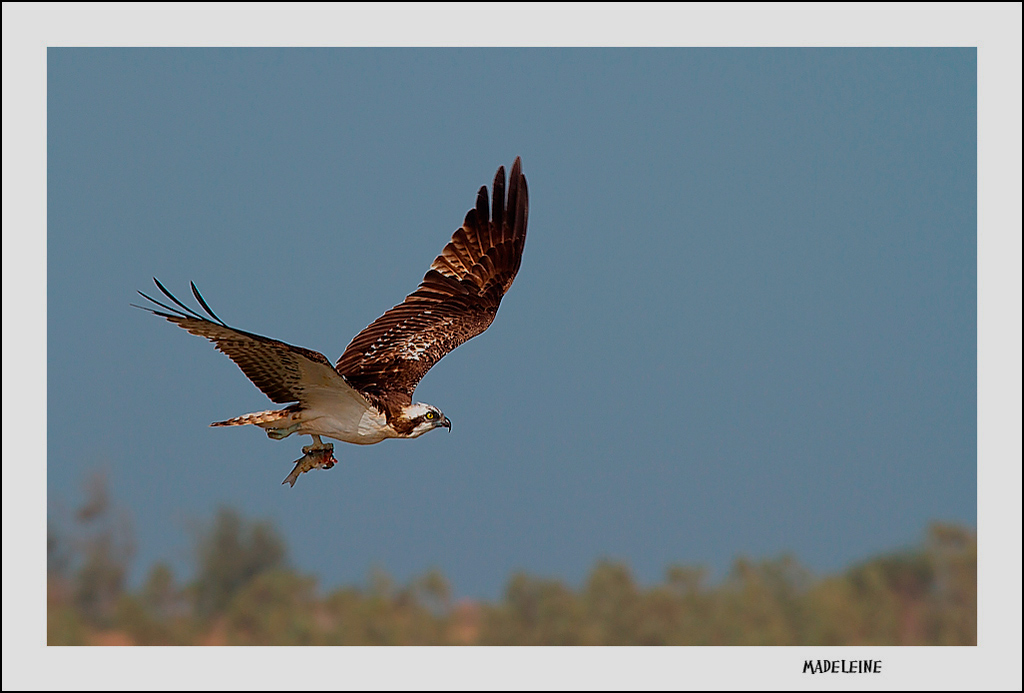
[283, 372]
[456, 301]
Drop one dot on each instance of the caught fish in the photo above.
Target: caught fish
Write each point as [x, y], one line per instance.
[313, 457]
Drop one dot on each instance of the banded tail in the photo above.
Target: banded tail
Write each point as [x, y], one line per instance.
[257, 418]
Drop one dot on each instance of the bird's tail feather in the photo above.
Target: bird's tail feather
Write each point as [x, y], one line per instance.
[256, 418]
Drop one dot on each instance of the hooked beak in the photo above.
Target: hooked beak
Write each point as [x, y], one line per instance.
[446, 423]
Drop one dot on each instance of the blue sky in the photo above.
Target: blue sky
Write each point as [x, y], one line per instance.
[745, 321]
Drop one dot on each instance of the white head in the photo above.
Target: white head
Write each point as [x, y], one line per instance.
[424, 417]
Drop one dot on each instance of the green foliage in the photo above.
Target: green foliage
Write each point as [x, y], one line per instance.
[245, 594]
[88, 569]
[274, 607]
[535, 612]
[230, 554]
[64, 624]
[100, 581]
[922, 597]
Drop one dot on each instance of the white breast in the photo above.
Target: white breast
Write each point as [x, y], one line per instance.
[333, 408]
[345, 420]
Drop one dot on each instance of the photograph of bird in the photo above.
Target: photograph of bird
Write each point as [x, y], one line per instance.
[366, 396]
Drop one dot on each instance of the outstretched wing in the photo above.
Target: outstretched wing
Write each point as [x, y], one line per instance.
[283, 372]
[456, 301]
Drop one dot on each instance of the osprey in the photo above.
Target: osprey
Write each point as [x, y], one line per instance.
[367, 395]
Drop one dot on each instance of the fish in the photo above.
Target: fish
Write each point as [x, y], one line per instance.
[313, 457]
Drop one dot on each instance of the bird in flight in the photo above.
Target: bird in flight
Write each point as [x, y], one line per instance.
[366, 396]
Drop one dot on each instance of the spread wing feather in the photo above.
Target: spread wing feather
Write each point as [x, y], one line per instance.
[283, 372]
[456, 301]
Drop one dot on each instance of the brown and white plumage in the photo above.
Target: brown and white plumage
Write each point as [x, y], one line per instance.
[367, 395]
[456, 301]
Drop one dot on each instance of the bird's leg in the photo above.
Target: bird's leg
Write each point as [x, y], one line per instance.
[319, 455]
[317, 445]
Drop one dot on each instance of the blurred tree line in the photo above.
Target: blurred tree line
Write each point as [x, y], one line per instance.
[244, 592]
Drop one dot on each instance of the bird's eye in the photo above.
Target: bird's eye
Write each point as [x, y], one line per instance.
[431, 415]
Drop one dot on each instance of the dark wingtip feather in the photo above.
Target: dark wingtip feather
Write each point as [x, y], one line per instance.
[206, 307]
[482, 205]
[149, 310]
[483, 213]
[168, 294]
[524, 208]
[512, 208]
[182, 311]
[498, 202]
[175, 313]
